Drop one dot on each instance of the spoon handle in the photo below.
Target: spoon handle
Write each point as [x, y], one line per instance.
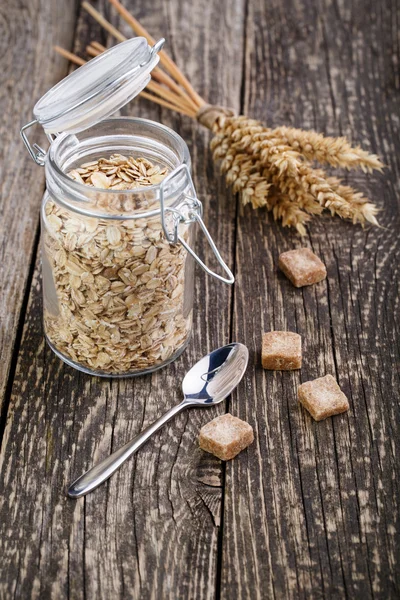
[102, 471]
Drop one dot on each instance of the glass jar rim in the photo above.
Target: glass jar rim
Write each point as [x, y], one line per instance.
[79, 193]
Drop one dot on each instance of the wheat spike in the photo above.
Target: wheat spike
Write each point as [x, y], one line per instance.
[336, 152]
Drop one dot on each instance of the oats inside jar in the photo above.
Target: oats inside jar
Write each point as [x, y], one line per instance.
[115, 288]
[119, 173]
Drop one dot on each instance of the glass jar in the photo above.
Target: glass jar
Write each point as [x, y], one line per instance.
[118, 265]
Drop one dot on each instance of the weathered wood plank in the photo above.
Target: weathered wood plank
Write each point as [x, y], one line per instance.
[152, 530]
[312, 509]
[29, 68]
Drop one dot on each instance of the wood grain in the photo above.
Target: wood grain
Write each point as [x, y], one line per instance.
[29, 68]
[310, 510]
[314, 507]
[152, 530]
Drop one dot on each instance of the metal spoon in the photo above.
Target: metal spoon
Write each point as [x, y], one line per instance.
[209, 382]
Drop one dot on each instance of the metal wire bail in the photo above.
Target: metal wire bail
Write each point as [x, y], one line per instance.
[36, 152]
[194, 215]
[155, 49]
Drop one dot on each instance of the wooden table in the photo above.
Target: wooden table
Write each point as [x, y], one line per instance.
[311, 510]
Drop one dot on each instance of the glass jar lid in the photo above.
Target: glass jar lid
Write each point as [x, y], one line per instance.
[99, 88]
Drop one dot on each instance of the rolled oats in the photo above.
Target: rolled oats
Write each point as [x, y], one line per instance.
[119, 284]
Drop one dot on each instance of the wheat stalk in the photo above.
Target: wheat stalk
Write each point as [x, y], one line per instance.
[268, 167]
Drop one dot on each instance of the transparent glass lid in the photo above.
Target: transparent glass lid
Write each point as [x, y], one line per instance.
[99, 88]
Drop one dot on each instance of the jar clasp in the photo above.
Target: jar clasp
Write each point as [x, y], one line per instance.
[194, 214]
[36, 152]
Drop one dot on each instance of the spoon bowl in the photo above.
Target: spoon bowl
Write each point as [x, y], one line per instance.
[216, 375]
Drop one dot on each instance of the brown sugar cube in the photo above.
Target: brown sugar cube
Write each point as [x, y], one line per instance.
[225, 436]
[281, 351]
[323, 398]
[302, 267]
